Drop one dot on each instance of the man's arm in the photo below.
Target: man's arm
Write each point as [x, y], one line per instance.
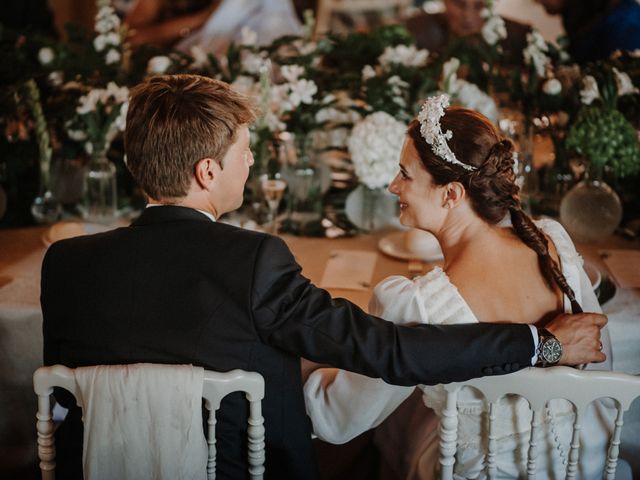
[292, 314]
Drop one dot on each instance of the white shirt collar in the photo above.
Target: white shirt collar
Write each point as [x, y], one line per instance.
[207, 214]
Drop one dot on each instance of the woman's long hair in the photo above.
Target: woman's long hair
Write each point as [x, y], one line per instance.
[491, 187]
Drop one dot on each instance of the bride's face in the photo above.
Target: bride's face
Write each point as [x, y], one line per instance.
[421, 200]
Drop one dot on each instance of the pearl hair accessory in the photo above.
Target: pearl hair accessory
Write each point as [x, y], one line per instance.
[429, 117]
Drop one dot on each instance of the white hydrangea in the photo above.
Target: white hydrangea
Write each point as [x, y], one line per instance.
[494, 29]
[375, 144]
[624, 83]
[46, 55]
[552, 86]
[535, 53]
[590, 91]
[158, 65]
[406, 55]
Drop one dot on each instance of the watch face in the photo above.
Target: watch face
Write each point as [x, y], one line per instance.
[551, 350]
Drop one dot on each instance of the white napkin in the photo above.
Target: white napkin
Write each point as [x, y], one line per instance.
[142, 421]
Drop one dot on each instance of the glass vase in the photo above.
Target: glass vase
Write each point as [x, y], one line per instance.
[591, 210]
[100, 191]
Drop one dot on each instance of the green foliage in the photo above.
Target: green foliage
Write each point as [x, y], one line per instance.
[607, 139]
[352, 52]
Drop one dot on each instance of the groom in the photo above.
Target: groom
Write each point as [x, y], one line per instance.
[178, 287]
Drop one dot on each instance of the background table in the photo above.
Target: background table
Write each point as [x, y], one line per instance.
[21, 254]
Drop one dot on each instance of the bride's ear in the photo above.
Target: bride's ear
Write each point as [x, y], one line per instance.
[453, 194]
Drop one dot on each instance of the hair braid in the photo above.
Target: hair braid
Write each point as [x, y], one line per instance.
[531, 235]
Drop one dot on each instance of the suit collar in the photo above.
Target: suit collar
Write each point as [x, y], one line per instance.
[169, 213]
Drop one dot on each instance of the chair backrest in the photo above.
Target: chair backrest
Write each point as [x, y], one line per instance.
[216, 386]
[327, 7]
[539, 386]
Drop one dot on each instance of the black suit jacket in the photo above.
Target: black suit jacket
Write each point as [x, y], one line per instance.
[175, 287]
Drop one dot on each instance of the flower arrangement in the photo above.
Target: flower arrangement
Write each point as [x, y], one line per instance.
[100, 114]
[465, 93]
[375, 146]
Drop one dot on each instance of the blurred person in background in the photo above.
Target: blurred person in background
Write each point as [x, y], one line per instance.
[597, 28]
[461, 19]
[209, 24]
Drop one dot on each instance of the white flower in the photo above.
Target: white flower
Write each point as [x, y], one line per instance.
[291, 73]
[158, 64]
[100, 43]
[302, 91]
[470, 96]
[113, 56]
[624, 83]
[112, 38]
[494, 29]
[88, 147]
[106, 20]
[449, 74]
[89, 101]
[375, 144]
[368, 72]
[77, 135]
[535, 53]
[248, 37]
[274, 123]
[552, 86]
[200, 58]
[46, 55]
[119, 94]
[245, 85]
[252, 62]
[590, 91]
[405, 55]
[121, 121]
[56, 78]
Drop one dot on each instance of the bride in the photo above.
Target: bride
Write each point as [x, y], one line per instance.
[457, 181]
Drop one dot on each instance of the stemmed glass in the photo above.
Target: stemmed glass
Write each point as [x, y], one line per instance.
[273, 189]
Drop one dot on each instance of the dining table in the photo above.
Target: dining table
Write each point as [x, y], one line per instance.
[22, 251]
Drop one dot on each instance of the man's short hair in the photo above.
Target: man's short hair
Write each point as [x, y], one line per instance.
[173, 122]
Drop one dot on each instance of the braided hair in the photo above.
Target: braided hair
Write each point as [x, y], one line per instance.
[491, 186]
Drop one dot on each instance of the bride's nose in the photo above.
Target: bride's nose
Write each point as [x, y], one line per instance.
[393, 186]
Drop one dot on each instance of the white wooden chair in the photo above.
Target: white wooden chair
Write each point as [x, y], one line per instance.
[538, 386]
[328, 7]
[216, 386]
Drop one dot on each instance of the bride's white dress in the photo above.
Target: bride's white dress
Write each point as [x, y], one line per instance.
[342, 404]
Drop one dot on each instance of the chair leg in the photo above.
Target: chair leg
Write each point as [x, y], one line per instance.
[46, 440]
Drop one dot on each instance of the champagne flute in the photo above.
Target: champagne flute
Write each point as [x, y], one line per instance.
[273, 190]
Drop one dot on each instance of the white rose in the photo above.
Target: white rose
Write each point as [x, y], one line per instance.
[158, 64]
[590, 91]
[46, 55]
[552, 86]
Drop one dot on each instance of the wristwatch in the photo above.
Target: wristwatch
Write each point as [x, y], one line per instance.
[549, 348]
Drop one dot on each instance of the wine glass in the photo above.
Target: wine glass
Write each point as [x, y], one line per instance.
[273, 189]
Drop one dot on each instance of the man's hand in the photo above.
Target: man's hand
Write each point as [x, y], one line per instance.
[580, 337]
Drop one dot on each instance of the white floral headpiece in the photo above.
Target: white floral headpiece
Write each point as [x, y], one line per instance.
[429, 117]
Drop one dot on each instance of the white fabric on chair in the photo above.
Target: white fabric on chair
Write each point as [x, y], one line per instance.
[123, 439]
